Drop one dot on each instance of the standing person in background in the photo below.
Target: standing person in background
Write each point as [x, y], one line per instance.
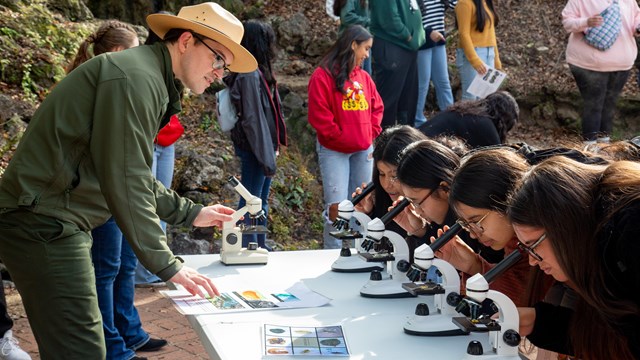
[477, 47]
[432, 57]
[354, 12]
[600, 75]
[398, 34]
[346, 110]
[260, 130]
[113, 259]
[87, 155]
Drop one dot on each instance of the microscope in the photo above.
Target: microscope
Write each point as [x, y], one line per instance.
[347, 232]
[503, 331]
[232, 251]
[397, 262]
[425, 323]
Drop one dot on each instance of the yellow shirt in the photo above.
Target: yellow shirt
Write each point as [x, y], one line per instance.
[470, 37]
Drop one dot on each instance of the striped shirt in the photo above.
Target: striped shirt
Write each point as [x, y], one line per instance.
[433, 14]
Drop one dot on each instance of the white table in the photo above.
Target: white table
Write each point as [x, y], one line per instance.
[373, 327]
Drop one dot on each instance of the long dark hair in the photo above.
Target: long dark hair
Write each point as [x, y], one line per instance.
[500, 107]
[339, 4]
[340, 57]
[260, 40]
[482, 16]
[387, 147]
[558, 195]
[485, 179]
[426, 163]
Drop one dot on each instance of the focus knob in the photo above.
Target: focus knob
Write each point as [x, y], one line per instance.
[376, 275]
[511, 338]
[232, 239]
[403, 266]
[422, 309]
[453, 299]
[474, 348]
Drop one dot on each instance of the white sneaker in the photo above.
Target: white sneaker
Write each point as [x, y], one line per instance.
[9, 349]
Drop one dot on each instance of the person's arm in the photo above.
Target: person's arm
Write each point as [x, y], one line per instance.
[320, 114]
[497, 63]
[550, 329]
[377, 108]
[349, 15]
[464, 13]
[125, 123]
[254, 121]
[573, 20]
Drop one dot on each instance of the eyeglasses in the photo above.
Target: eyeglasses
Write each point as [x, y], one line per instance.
[393, 179]
[418, 204]
[529, 249]
[635, 142]
[219, 63]
[476, 226]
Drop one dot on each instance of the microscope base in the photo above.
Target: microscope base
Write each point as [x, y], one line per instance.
[244, 257]
[384, 289]
[432, 325]
[354, 264]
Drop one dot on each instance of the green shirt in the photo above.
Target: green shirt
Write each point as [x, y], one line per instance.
[396, 22]
[87, 153]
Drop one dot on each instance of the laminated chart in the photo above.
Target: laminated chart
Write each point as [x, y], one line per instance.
[296, 296]
[281, 340]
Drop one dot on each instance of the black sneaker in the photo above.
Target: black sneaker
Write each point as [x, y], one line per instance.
[153, 345]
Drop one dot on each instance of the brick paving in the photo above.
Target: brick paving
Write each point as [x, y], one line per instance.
[159, 318]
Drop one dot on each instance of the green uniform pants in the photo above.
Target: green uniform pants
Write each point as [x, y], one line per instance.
[50, 262]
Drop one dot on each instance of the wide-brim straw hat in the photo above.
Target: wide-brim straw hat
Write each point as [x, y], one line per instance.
[212, 21]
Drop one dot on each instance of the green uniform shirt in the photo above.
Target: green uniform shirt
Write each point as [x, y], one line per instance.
[87, 153]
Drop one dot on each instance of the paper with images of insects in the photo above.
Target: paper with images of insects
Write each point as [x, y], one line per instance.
[323, 341]
[247, 299]
[483, 85]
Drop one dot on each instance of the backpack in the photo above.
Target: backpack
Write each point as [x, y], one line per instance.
[225, 110]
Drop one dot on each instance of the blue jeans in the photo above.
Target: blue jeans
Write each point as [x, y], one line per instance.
[341, 174]
[432, 66]
[468, 72]
[258, 184]
[115, 263]
[162, 169]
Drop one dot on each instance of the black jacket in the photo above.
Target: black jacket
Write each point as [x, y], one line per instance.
[260, 127]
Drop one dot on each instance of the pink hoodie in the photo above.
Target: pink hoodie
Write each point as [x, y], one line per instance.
[618, 57]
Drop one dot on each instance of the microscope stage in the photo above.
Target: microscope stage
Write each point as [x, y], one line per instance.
[483, 325]
[377, 257]
[429, 288]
